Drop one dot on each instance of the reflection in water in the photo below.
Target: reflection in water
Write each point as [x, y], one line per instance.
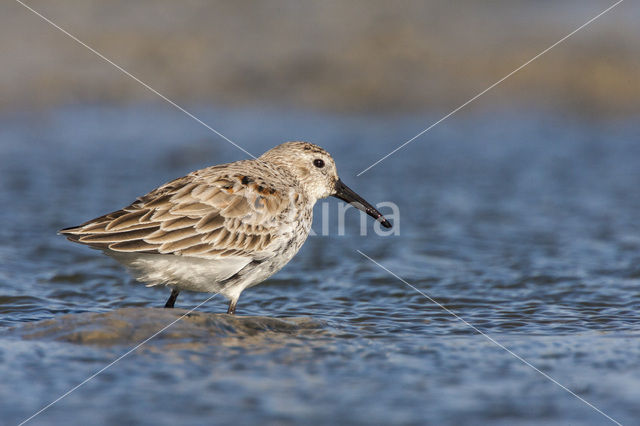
[130, 326]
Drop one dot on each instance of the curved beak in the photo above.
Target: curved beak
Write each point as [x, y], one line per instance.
[345, 193]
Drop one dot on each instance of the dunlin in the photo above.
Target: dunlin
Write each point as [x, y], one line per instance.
[224, 228]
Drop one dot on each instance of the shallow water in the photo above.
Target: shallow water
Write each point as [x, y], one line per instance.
[525, 224]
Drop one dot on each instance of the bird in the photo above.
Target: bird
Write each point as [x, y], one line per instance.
[223, 228]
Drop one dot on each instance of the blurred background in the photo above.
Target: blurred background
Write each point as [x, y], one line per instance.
[355, 56]
[519, 213]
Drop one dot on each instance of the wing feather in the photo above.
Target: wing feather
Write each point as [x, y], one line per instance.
[140, 246]
[182, 222]
[210, 222]
[191, 209]
[219, 211]
[182, 244]
[114, 237]
[126, 220]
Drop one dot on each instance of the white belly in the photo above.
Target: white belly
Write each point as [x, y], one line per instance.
[181, 272]
[227, 275]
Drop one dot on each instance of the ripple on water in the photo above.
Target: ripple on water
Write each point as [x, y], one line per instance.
[544, 262]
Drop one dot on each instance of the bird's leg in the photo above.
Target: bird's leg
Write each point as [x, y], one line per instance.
[172, 298]
[232, 307]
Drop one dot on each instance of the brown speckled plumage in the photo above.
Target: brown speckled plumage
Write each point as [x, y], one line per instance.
[219, 229]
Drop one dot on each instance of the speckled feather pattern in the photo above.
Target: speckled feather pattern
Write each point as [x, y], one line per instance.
[242, 208]
[219, 229]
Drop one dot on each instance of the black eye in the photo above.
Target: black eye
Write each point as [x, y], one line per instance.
[318, 163]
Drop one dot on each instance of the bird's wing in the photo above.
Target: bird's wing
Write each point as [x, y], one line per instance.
[211, 213]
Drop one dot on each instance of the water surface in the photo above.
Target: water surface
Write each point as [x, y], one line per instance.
[523, 223]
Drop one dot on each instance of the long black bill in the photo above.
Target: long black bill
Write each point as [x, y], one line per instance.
[345, 193]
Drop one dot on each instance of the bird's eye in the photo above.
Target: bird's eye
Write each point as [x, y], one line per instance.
[318, 163]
